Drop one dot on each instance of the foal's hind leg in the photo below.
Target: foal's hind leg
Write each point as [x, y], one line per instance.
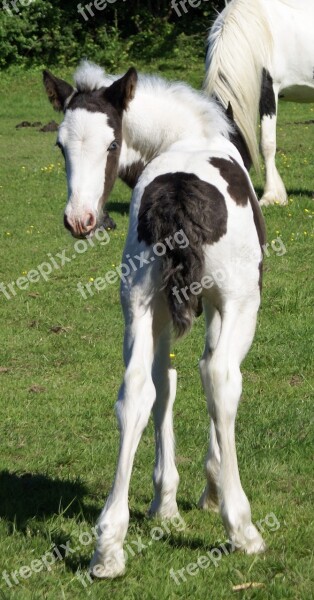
[133, 408]
[210, 497]
[223, 387]
[166, 477]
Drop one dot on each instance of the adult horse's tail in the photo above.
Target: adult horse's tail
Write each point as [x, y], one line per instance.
[239, 46]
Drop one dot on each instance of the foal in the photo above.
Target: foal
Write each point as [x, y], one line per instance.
[196, 225]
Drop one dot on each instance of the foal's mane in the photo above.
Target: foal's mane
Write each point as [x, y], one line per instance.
[89, 77]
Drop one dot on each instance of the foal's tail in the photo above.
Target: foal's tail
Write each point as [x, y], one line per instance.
[177, 213]
[239, 46]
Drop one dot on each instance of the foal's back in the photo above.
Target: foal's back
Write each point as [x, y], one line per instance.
[210, 197]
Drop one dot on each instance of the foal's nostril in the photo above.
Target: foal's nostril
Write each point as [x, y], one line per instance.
[89, 222]
[82, 226]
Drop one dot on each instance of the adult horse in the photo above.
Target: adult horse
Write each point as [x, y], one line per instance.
[259, 51]
[197, 234]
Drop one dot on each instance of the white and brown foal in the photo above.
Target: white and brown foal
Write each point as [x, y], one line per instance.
[194, 215]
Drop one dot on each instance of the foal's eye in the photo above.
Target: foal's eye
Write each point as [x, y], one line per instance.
[113, 146]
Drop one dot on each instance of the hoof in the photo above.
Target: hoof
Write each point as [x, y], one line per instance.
[107, 568]
[208, 501]
[270, 198]
[252, 543]
[163, 511]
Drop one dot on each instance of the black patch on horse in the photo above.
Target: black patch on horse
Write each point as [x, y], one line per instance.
[172, 202]
[267, 103]
[236, 178]
[131, 173]
[260, 229]
[258, 219]
[237, 139]
[186, 201]
[241, 192]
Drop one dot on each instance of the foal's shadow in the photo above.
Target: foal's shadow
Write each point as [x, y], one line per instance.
[31, 496]
[36, 496]
[179, 541]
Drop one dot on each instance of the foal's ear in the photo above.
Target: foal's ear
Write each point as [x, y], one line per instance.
[58, 91]
[122, 91]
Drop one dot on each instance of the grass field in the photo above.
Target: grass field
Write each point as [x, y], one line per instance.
[61, 366]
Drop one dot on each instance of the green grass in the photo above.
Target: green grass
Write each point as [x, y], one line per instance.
[58, 433]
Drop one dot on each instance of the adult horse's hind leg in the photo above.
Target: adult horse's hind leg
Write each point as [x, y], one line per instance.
[275, 190]
[223, 384]
[209, 499]
[166, 477]
[133, 408]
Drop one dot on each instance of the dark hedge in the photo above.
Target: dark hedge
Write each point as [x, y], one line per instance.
[37, 32]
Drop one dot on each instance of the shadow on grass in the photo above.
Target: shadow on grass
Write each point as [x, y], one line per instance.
[186, 505]
[35, 496]
[183, 505]
[291, 192]
[174, 540]
[195, 543]
[123, 208]
[31, 496]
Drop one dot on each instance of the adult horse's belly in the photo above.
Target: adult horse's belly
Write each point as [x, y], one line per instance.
[292, 55]
[297, 93]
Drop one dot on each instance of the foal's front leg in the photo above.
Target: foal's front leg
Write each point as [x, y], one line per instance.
[135, 401]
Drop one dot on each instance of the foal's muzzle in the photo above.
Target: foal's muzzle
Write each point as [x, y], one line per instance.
[80, 227]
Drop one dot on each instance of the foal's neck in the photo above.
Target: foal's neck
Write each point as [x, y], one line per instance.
[161, 115]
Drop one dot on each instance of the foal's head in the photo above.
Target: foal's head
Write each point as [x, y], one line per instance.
[90, 138]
